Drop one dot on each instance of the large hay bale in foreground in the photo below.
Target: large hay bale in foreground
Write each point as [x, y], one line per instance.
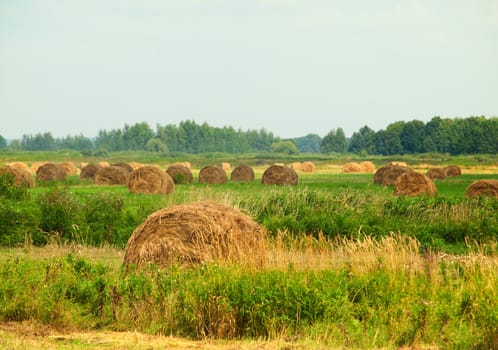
[70, 168]
[483, 188]
[279, 175]
[111, 175]
[180, 173]
[414, 184]
[388, 174]
[125, 166]
[135, 165]
[367, 167]
[51, 172]
[436, 174]
[452, 170]
[211, 174]
[150, 180]
[88, 171]
[194, 233]
[308, 167]
[242, 173]
[21, 176]
[104, 164]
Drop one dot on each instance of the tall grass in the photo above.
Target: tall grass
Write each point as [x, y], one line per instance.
[344, 292]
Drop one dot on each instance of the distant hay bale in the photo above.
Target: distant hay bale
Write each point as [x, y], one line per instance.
[211, 174]
[19, 166]
[226, 166]
[194, 233]
[483, 188]
[88, 172]
[180, 173]
[296, 166]
[150, 180]
[83, 164]
[125, 166]
[242, 173]
[367, 167]
[21, 176]
[187, 164]
[452, 170]
[36, 165]
[279, 175]
[388, 174]
[135, 165]
[436, 174]
[308, 167]
[111, 175]
[51, 172]
[351, 167]
[104, 164]
[398, 163]
[412, 183]
[70, 168]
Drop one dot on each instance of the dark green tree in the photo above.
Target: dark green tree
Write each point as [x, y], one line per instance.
[3, 142]
[334, 141]
[363, 141]
[309, 143]
[284, 147]
[412, 136]
[136, 136]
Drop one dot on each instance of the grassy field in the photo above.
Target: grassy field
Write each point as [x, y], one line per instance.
[348, 265]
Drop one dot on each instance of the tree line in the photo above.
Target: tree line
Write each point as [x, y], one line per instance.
[470, 135]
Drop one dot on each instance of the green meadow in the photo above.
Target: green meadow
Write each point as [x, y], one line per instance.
[349, 265]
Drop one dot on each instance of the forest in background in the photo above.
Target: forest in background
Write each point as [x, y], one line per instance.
[471, 135]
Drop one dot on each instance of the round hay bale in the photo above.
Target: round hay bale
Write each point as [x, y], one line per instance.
[83, 164]
[88, 172]
[194, 233]
[351, 167]
[125, 166]
[367, 167]
[104, 164]
[226, 166]
[308, 167]
[21, 177]
[51, 172]
[279, 175]
[483, 188]
[150, 180]
[36, 165]
[436, 174]
[242, 173]
[180, 173]
[111, 175]
[296, 166]
[452, 170]
[388, 174]
[70, 168]
[412, 183]
[211, 174]
[19, 166]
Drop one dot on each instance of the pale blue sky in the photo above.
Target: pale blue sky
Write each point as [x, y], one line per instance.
[291, 66]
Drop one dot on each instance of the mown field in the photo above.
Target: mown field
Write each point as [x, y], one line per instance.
[349, 265]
